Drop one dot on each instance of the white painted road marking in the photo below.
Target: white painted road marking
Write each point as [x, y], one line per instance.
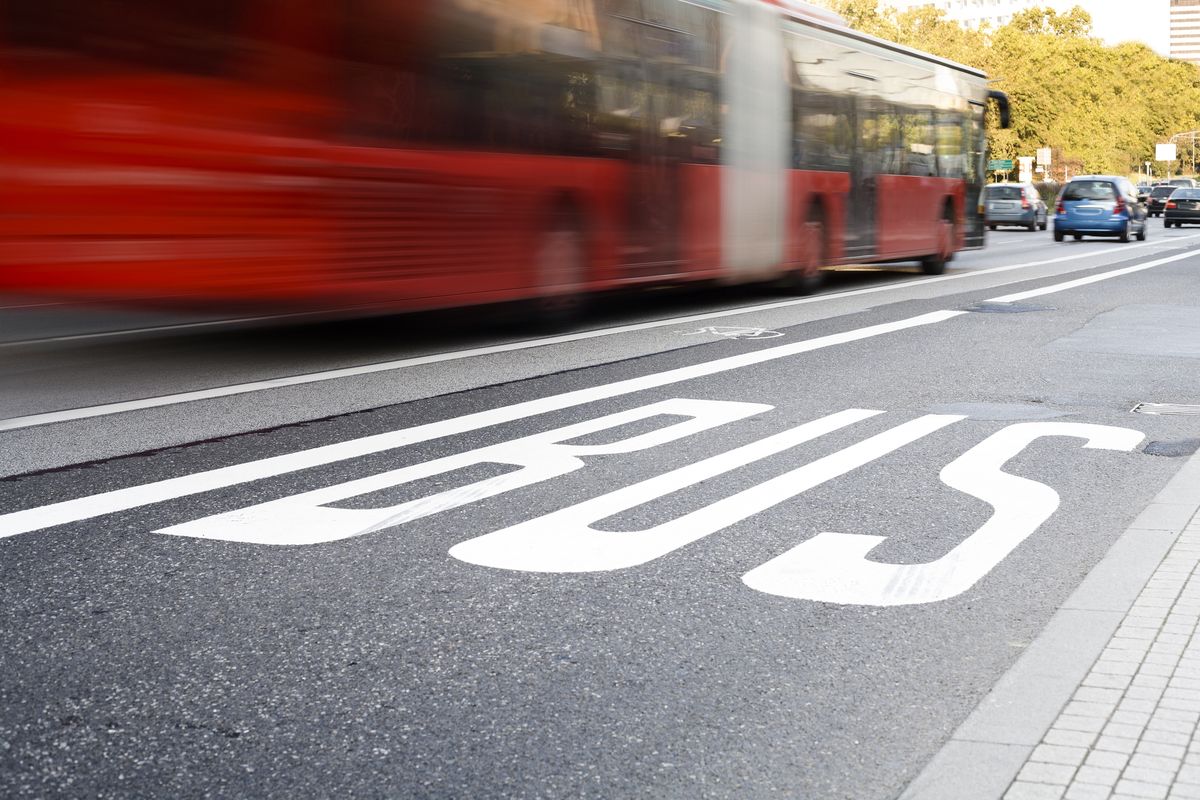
[735, 332]
[565, 541]
[106, 409]
[67, 511]
[833, 567]
[33, 519]
[306, 519]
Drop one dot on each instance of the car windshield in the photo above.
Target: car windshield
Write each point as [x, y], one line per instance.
[1162, 191]
[1089, 190]
[1004, 192]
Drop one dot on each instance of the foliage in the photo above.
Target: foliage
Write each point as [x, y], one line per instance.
[1100, 108]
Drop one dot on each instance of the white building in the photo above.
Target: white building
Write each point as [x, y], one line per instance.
[1112, 20]
[1185, 30]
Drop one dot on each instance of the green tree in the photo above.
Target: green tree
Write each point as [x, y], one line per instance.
[1100, 107]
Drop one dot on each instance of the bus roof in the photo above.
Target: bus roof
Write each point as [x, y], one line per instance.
[830, 21]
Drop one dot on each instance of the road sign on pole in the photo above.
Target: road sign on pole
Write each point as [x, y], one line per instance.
[1043, 156]
[1000, 165]
[1164, 152]
[1026, 173]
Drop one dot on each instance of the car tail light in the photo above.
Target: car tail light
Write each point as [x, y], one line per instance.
[1024, 202]
[1170, 204]
[1060, 208]
[1120, 206]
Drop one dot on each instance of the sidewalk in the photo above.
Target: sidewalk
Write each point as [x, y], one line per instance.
[1105, 703]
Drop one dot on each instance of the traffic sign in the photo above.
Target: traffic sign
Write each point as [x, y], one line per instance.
[1000, 164]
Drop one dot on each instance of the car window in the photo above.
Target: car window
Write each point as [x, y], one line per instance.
[1089, 190]
[1004, 193]
[1186, 194]
[1162, 191]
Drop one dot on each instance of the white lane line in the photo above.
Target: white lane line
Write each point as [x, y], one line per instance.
[86, 412]
[1062, 287]
[152, 329]
[132, 497]
[33, 519]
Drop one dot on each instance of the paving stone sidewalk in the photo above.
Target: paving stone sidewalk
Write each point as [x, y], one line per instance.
[1105, 703]
[1129, 731]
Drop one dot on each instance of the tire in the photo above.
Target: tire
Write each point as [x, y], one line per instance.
[935, 263]
[1124, 237]
[1058, 236]
[1141, 234]
[1031, 227]
[991, 227]
[1045, 224]
[561, 269]
[1077, 237]
[809, 278]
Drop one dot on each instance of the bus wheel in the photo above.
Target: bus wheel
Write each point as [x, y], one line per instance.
[808, 278]
[561, 261]
[935, 264]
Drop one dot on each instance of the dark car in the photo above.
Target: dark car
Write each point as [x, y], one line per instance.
[1013, 204]
[1099, 205]
[1182, 208]
[1158, 198]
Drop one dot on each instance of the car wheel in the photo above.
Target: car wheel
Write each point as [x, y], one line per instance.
[1124, 237]
[1058, 236]
[1167, 223]
[991, 227]
[1043, 226]
[1141, 234]
[1077, 236]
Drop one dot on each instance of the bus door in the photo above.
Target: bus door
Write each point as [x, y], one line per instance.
[975, 146]
[656, 176]
[653, 228]
[864, 171]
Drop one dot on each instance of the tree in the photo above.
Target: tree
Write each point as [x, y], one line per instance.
[1103, 107]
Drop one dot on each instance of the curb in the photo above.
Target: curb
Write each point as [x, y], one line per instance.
[984, 754]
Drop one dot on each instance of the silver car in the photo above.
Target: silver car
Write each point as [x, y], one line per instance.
[1013, 204]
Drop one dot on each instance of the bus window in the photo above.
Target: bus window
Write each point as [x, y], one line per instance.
[919, 143]
[951, 156]
[197, 37]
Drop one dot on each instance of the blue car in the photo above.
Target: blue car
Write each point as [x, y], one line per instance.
[1099, 205]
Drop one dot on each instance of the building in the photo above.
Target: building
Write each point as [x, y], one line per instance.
[1185, 30]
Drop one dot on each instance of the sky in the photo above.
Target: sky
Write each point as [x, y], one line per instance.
[1117, 21]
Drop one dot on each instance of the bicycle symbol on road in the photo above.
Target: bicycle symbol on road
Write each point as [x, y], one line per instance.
[734, 332]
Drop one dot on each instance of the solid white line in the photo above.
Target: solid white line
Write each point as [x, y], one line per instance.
[152, 329]
[1062, 287]
[122, 499]
[33, 519]
[105, 409]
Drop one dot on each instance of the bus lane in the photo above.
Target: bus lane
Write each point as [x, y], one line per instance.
[622, 581]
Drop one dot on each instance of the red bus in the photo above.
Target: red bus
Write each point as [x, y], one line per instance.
[408, 154]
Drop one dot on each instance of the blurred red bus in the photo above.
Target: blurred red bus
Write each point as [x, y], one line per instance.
[409, 154]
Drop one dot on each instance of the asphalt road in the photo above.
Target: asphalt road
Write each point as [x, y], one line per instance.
[630, 561]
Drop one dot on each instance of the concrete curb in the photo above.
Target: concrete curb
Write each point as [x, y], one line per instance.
[988, 749]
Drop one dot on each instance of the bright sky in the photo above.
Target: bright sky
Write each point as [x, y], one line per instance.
[1117, 21]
